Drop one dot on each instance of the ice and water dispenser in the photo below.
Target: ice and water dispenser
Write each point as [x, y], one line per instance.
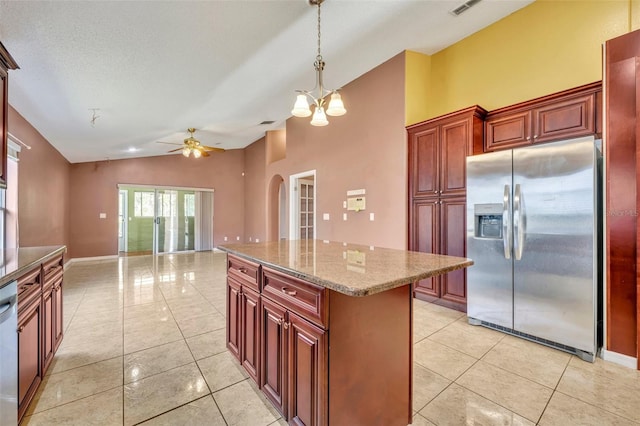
[488, 221]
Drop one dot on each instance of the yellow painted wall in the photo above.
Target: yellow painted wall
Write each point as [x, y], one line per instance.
[416, 86]
[546, 47]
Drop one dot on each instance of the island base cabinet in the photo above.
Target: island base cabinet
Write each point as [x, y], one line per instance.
[273, 378]
[58, 326]
[307, 375]
[249, 332]
[48, 328]
[233, 317]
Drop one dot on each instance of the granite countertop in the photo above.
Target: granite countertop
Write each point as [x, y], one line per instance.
[351, 269]
[16, 262]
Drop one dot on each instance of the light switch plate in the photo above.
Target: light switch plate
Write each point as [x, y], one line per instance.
[103, 215]
[371, 217]
[344, 216]
[325, 216]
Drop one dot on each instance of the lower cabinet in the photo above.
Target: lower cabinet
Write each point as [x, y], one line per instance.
[273, 378]
[29, 353]
[249, 332]
[40, 326]
[234, 290]
[307, 372]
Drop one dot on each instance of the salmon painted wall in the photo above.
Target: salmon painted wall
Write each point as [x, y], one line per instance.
[94, 190]
[254, 192]
[43, 188]
[543, 48]
[366, 148]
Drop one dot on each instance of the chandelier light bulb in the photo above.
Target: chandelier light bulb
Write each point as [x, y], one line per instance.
[336, 106]
[301, 107]
[186, 151]
[196, 153]
[319, 118]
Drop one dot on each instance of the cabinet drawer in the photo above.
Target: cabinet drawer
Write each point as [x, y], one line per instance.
[52, 276]
[29, 288]
[54, 263]
[301, 297]
[248, 273]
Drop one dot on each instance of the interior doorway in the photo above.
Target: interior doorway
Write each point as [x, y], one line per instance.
[302, 214]
[155, 220]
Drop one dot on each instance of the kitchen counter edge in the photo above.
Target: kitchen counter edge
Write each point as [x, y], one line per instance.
[344, 289]
[27, 258]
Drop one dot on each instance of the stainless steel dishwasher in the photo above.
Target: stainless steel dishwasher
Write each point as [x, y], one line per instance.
[8, 355]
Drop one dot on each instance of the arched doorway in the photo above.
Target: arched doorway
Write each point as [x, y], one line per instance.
[276, 210]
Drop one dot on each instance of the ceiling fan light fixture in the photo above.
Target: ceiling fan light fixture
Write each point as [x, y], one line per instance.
[319, 118]
[301, 107]
[336, 106]
[197, 153]
[186, 151]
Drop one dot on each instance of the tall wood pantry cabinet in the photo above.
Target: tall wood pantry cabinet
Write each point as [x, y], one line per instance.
[438, 149]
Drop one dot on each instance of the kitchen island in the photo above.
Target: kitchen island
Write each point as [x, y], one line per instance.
[325, 328]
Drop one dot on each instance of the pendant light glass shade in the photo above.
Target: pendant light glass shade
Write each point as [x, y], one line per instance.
[301, 107]
[336, 107]
[196, 153]
[186, 151]
[319, 117]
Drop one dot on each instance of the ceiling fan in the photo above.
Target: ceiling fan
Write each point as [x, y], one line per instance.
[193, 146]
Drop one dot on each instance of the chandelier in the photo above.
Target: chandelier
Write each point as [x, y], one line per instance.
[301, 107]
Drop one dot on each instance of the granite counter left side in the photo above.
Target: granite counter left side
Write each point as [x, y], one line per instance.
[21, 260]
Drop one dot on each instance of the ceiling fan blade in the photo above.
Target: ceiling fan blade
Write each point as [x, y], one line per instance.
[204, 153]
[211, 148]
[169, 143]
[174, 150]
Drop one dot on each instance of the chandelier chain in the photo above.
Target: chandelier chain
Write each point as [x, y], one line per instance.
[319, 54]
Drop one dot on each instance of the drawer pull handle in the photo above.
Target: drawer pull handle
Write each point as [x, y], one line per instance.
[242, 269]
[288, 292]
[285, 325]
[20, 329]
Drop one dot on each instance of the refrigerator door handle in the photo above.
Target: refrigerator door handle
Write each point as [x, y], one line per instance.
[519, 222]
[507, 234]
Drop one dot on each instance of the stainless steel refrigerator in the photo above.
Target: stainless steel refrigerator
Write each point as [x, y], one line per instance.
[533, 231]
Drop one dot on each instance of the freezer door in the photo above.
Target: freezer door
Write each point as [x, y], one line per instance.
[489, 238]
[554, 242]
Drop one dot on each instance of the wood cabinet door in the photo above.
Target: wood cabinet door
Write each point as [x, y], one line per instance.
[58, 323]
[307, 373]
[273, 354]
[424, 237]
[250, 332]
[48, 319]
[508, 130]
[233, 317]
[455, 144]
[567, 119]
[453, 242]
[29, 355]
[423, 162]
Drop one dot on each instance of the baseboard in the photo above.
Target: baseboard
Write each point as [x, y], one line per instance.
[624, 360]
[90, 259]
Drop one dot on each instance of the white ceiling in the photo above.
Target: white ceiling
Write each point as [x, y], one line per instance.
[154, 68]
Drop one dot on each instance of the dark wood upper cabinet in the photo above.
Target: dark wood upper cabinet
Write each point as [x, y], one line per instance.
[6, 63]
[568, 114]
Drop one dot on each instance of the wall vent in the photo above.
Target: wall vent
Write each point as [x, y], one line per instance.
[267, 122]
[464, 7]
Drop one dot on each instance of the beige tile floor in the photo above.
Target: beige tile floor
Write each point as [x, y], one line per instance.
[145, 343]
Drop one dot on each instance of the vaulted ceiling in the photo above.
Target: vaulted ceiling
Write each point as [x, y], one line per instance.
[153, 68]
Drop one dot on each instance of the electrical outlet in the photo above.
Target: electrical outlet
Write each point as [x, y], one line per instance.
[103, 215]
[225, 238]
[257, 240]
[344, 216]
[371, 217]
[238, 238]
[250, 239]
[325, 216]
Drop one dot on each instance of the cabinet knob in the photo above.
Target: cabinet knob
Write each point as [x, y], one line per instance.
[535, 136]
[528, 138]
[242, 269]
[20, 329]
[435, 192]
[285, 325]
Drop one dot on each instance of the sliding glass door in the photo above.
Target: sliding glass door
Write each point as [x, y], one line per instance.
[164, 220]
